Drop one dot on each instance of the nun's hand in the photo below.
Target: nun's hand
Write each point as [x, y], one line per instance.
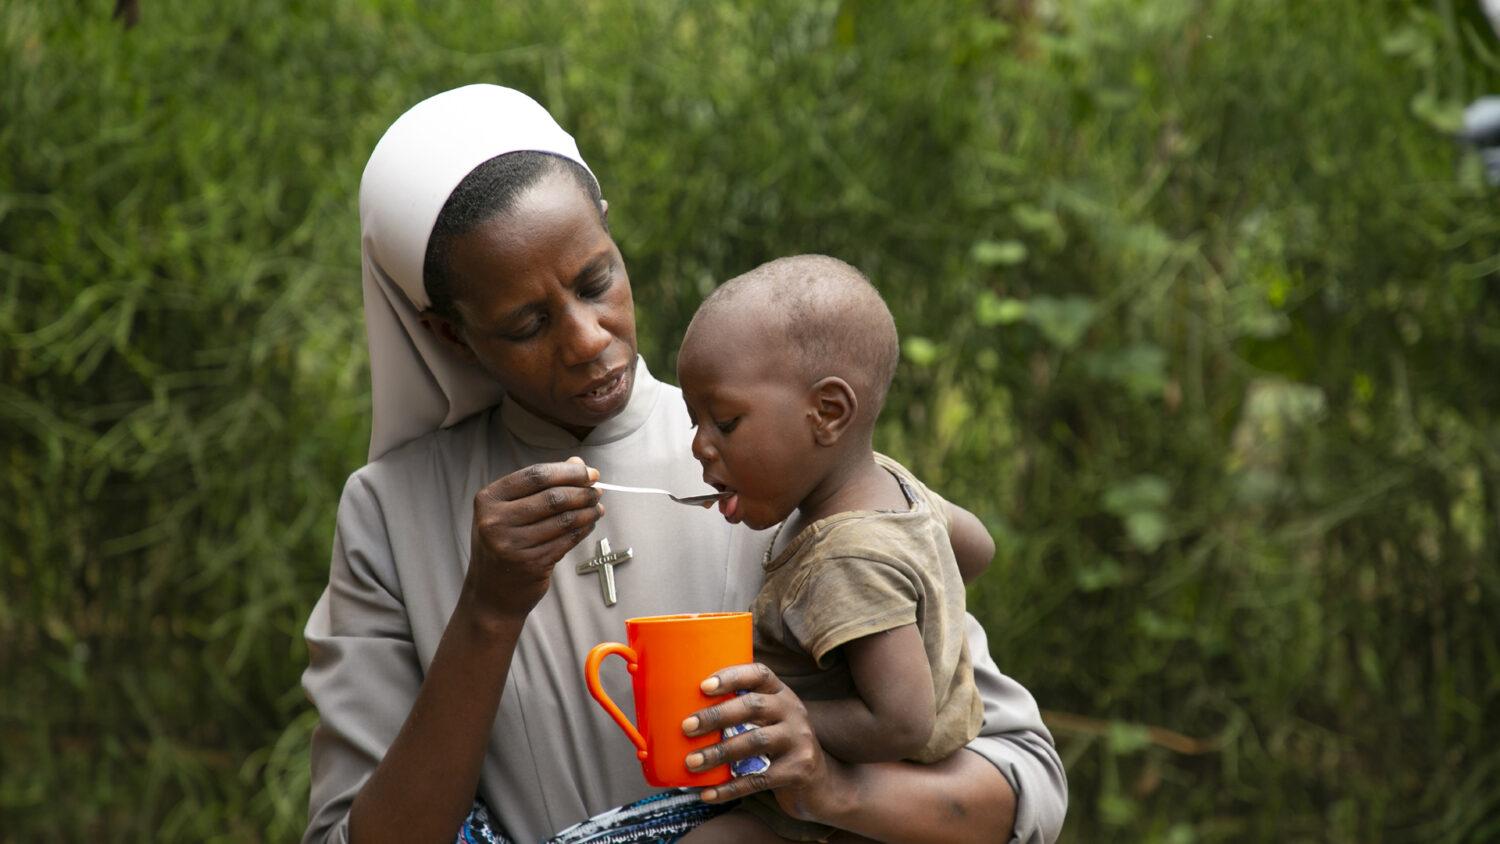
[523, 524]
[804, 777]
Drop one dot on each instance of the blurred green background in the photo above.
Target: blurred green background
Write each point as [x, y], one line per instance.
[1201, 309]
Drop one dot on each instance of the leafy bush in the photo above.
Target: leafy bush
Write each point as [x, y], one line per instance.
[1199, 309]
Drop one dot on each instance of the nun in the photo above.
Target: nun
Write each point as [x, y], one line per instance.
[474, 563]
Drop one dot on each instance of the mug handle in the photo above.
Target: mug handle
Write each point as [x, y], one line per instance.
[591, 676]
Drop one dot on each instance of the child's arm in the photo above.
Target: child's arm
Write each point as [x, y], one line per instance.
[892, 714]
[972, 544]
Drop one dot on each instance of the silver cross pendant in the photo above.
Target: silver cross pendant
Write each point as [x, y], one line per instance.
[604, 565]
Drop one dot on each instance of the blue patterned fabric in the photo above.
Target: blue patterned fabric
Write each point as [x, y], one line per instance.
[477, 828]
[659, 819]
[752, 765]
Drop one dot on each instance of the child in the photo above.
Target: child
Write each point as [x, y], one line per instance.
[784, 370]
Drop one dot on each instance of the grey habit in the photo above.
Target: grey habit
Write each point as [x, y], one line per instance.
[554, 757]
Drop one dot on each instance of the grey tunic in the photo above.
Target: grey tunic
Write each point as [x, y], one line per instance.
[554, 758]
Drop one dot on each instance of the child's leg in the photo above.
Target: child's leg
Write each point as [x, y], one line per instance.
[731, 828]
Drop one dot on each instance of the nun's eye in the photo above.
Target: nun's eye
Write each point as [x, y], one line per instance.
[596, 288]
[727, 427]
[532, 328]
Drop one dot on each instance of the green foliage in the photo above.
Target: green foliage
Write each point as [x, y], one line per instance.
[1200, 313]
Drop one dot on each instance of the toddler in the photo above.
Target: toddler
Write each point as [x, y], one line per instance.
[784, 370]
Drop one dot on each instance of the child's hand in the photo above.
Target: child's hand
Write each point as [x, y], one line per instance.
[973, 546]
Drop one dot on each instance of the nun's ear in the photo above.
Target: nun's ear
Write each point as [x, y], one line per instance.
[604, 208]
[448, 334]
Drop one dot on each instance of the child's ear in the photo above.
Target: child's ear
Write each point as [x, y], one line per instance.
[834, 407]
[448, 334]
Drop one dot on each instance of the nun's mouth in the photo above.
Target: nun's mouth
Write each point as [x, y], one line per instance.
[603, 394]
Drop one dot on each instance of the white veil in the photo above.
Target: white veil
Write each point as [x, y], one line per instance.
[417, 384]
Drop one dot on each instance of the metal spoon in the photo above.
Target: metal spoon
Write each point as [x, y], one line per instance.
[694, 500]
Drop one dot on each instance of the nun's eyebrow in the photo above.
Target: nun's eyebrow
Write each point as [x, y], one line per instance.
[594, 267]
[599, 263]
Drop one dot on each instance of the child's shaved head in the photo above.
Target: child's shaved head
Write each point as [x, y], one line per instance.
[830, 318]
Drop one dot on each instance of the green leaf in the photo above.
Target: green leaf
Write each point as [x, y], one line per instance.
[1127, 738]
[1139, 503]
[1369, 664]
[991, 310]
[1042, 222]
[1142, 492]
[844, 24]
[999, 253]
[1102, 575]
[920, 351]
[1446, 116]
[1062, 321]
[1154, 625]
[1140, 368]
[1117, 809]
[1146, 529]
[1411, 43]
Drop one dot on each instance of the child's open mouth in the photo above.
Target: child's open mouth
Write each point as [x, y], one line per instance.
[729, 507]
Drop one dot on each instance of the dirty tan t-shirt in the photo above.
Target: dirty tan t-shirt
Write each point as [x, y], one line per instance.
[863, 572]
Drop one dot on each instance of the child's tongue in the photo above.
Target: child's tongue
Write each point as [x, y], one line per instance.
[730, 508]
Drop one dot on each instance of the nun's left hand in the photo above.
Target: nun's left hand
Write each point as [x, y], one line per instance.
[805, 778]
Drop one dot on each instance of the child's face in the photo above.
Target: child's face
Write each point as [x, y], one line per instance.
[753, 419]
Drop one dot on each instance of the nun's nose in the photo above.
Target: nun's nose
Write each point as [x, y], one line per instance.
[585, 336]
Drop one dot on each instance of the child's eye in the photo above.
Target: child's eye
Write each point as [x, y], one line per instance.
[726, 427]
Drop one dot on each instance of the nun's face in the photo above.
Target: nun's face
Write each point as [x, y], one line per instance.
[546, 306]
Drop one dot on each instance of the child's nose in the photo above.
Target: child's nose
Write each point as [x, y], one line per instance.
[701, 448]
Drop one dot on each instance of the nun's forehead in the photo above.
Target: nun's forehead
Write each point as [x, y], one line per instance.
[425, 154]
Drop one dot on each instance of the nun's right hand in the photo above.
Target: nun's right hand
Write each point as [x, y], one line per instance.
[523, 524]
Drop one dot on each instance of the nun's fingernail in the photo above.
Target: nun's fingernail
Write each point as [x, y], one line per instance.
[710, 685]
[690, 724]
[693, 760]
[593, 474]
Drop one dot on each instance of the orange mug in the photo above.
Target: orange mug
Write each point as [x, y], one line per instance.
[668, 656]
